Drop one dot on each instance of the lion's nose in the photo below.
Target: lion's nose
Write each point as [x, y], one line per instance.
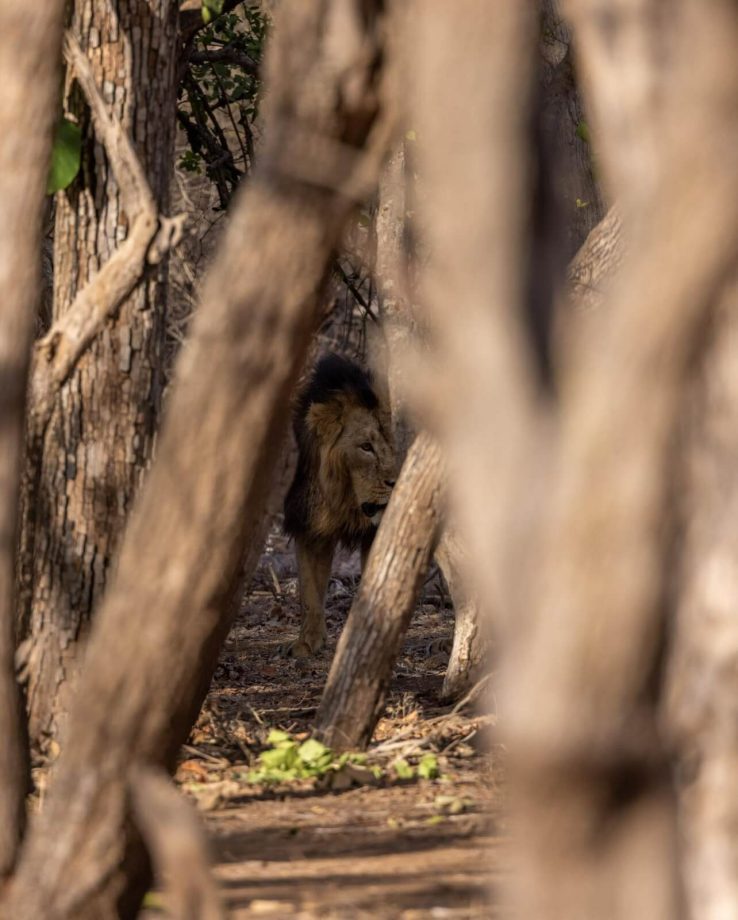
[389, 482]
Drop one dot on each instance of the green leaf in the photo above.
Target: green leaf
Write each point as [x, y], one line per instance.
[276, 736]
[428, 766]
[210, 9]
[403, 769]
[66, 155]
[313, 752]
[280, 758]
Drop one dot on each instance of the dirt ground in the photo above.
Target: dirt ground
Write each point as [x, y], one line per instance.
[382, 846]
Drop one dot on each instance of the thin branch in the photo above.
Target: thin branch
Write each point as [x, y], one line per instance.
[358, 296]
[227, 55]
[191, 21]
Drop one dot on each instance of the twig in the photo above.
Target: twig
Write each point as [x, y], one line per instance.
[226, 56]
[358, 296]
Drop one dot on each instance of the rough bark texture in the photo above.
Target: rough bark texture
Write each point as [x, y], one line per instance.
[100, 437]
[565, 125]
[595, 264]
[370, 642]
[166, 612]
[30, 54]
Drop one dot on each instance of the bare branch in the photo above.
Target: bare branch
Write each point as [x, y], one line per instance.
[58, 352]
[226, 55]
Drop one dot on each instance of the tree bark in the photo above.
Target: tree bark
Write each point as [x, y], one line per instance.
[703, 668]
[370, 643]
[470, 647]
[166, 611]
[590, 772]
[402, 337]
[30, 53]
[565, 124]
[100, 437]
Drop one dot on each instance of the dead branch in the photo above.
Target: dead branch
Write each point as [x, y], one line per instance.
[149, 237]
[177, 845]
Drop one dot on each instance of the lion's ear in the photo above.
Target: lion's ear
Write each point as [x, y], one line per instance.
[324, 419]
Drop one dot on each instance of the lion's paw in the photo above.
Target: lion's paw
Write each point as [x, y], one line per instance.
[303, 647]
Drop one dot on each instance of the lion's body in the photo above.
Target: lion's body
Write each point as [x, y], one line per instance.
[344, 476]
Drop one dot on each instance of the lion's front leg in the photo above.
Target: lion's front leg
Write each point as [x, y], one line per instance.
[314, 569]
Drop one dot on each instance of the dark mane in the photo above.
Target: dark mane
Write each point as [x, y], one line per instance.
[332, 375]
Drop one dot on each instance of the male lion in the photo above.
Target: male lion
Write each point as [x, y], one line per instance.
[345, 473]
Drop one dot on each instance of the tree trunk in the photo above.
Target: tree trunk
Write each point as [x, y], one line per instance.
[100, 437]
[703, 670]
[30, 54]
[402, 337]
[155, 642]
[565, 126]
[469, 651]
[370, 642]
[590, 772]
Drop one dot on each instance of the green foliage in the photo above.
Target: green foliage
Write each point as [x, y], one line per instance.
[427, 768]
[286, 759]
[220, 93]
[210, 9]
[66, 155]
[403, 769]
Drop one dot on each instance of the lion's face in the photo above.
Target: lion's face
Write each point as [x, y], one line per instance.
[357, 457]
[370, 460]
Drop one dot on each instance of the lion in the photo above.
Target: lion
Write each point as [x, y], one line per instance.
[346, 468]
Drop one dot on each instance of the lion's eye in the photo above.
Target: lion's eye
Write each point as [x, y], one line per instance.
[367, 447]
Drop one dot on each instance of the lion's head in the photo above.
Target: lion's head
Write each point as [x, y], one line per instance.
[346, 464]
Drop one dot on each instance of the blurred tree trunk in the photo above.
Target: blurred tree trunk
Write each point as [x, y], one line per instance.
[166, 611]
[30, 55]
[703, 671]
[564, 495]
[401, 331]
[100, 438]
